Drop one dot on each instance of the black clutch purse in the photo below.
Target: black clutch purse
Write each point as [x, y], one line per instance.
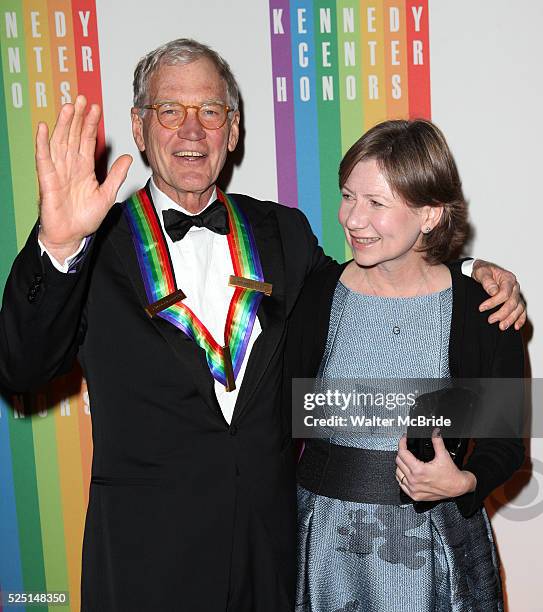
[452, 410]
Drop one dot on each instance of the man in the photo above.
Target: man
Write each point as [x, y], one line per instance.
[192, 501]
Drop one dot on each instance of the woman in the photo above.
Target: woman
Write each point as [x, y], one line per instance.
[366, 542]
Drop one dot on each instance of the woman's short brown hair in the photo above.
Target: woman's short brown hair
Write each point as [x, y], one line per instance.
[418, 166]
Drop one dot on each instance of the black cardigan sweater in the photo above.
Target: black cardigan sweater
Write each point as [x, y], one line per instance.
[476, 350]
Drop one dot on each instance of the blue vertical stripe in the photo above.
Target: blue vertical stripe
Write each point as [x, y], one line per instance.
[305, 115]
[11, 577]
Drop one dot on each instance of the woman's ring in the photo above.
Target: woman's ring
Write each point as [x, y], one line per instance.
[403, 478]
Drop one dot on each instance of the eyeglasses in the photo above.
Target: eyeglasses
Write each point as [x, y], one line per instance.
[171, 115]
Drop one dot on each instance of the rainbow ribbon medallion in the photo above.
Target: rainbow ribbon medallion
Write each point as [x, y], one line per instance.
[159, 281]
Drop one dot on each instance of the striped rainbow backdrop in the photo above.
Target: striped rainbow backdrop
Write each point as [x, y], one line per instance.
[339, 67]
[49, 53]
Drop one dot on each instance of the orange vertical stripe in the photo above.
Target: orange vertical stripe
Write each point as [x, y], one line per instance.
[62, 51]
[71, 477]
[396, 59]
[85, 438]
[40, 81]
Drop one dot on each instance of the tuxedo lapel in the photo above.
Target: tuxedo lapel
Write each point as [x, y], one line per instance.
[191, 356]
[271, 312]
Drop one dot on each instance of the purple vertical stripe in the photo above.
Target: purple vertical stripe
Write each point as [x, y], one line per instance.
[285, 144]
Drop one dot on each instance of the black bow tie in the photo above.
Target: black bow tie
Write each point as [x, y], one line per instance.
[214, 217]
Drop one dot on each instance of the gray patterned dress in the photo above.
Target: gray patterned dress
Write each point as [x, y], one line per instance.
[359, 557]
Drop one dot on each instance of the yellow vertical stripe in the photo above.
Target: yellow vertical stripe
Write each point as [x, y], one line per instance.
[373, 62]
[49, 495]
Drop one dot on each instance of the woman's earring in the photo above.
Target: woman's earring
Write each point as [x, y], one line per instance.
[427, 229]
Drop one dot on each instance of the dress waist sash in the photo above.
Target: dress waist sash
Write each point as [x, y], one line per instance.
[350, 474]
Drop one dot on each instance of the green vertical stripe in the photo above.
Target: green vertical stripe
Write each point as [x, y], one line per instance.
[49, 496]
[352, 107]
[17, 147]
[19, 124]
[24, 477]
[350, 71]
[329, 131]
[8, 237]
[348, 46]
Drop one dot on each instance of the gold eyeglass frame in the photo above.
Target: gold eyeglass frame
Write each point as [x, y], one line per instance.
[157, 106]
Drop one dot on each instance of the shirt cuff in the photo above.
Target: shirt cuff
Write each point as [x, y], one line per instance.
[70, 263]
[467, 267]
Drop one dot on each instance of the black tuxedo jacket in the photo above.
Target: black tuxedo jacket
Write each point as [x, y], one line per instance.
[185, 512]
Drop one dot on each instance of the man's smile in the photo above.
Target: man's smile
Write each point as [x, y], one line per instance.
[189, 154]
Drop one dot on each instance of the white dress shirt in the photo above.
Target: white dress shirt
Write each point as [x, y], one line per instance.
[202, 266]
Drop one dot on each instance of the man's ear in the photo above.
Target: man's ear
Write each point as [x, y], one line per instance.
[137, 129]
[233, 136]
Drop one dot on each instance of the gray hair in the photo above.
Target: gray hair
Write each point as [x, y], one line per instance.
[181, 51]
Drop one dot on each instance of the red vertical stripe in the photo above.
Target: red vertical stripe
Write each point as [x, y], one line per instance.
[418, 45]
[87, 55]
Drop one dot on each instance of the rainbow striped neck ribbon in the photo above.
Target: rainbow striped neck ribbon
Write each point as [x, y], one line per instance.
[165, 300]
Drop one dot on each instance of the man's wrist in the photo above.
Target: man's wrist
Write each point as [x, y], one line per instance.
[60, 252]
[68, 263]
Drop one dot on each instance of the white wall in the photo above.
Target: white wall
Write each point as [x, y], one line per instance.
[238, 29]
[487, 96]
